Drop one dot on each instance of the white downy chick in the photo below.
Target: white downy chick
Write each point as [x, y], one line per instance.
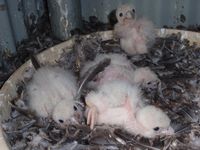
[116, 59]
[142, 76]
[50, 87]
[136, 35]
[145, 77]
[109, 97]
[66, 112]
[153, 122]
[120, 69]
[120, 103]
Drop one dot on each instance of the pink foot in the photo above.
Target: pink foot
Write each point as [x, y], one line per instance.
[92, 116]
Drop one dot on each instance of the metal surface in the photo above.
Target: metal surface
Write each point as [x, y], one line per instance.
[7, 42]
[16, 17]
[65, 15]
[32, 10]
[161, 12]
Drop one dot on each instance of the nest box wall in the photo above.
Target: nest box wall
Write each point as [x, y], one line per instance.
[18, 16]
[65, 15]
[170, 13]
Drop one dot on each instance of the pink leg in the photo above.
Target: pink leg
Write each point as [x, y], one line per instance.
[127, 105]
[129, 108]
[92, 116]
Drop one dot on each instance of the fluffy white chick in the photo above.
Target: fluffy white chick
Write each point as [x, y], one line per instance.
[109, 97]
[66, 112]
[142, 76]
[120, 69]
[145, 77]
[50, 87]
[136, 35]
[116, 59]
[120, 103]
[152, 121]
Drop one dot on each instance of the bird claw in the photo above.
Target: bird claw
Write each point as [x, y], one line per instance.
[91, 116]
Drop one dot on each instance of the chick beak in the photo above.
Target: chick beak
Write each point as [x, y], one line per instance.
[74, 120]
[130, 15]
[78, 117]
[168, 131]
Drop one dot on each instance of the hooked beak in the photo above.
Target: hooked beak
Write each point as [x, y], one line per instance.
[74, 120]
[168, 131]
[130, 15]
[78, 117]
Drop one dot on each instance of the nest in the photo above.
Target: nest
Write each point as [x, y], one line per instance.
[174, 60]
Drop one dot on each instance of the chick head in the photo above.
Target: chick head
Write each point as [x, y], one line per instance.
[146, 78]
[154, 121]
[125, 12]
[67, 112]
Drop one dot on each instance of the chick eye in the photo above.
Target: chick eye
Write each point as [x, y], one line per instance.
[133, 10]
[75, 108]
[61, 121]
[120, 14]
[148, 83]
[156, 128]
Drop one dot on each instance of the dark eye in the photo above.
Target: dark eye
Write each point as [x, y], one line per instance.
[148, 83]
[133, 10]
[75, 108]
[120, 14]
[156, 128]
[61, 121]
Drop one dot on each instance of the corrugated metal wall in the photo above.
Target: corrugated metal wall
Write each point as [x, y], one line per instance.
[6, 34]
[161, 12]
[65, 15]
[17, 15]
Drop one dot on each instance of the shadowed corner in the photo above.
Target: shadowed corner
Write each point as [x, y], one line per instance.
[112, 18]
